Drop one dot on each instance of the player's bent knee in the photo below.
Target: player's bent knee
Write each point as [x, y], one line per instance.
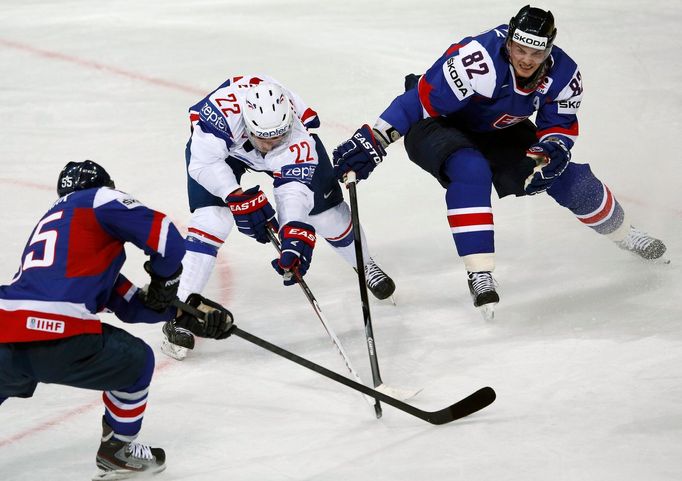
[469, 166]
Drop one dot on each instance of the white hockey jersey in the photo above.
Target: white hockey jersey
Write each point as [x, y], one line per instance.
[218, 132]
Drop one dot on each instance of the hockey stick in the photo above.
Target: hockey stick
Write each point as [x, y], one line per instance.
[350, 181]
[316, 307]
[464, 407]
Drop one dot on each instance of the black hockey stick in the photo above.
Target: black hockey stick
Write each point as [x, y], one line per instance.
[469, 405]
[351, 181]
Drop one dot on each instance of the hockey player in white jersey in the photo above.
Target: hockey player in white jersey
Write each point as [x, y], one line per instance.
[253, 123]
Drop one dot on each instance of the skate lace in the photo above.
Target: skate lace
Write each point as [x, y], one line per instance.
[373, 274]
[482, 281]
[139, 451]
[637, 240]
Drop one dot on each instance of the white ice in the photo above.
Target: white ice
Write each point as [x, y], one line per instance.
[585, 352]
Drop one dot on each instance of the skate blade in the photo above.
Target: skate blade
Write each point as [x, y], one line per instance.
[400, 394]
[126, 474]
[488, 311]
[173, 350]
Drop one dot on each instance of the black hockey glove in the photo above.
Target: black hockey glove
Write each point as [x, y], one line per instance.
[161, 290]
[216, 324]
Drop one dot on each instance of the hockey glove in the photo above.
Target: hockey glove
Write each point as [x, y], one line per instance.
[298, 242]
[252, 213]
[361, 153]
[216, 324]
[551, 159]
[161, 290]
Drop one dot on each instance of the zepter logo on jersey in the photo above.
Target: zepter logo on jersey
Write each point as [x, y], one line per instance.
[211, 116]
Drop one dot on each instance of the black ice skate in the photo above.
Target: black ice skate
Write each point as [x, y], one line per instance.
[177, 341]
[643, 245]
[380, 285]
[125, 460]
[482, 288]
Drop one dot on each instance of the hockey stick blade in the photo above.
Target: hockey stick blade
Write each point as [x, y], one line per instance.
[398, 393]
[469, 405]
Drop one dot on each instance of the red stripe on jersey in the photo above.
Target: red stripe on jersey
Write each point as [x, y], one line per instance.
[122, 412]
[424, 89]
[204, 234]
[602, 213]
[572, 130]
[123, 287]
[345, 233]
[91, 250]
[194, 117]
[155, 231]
[453, 49]
[308, 114]
[461, 220]
[29, 326]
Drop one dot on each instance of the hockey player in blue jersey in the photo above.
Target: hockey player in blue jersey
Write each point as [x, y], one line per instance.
[466, 122]
[253, 123]
[70, 271]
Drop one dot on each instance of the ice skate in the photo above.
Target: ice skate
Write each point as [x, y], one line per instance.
[482, 288]
[118, 459]
[380, 285]
[177, 341]
[643, 245]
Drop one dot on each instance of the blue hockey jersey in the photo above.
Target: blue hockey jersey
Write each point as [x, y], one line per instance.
[474, 84]
[70, 267]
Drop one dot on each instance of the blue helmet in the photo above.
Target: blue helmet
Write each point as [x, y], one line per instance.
[82, 175]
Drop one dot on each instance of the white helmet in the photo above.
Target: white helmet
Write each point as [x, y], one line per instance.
[267, 111]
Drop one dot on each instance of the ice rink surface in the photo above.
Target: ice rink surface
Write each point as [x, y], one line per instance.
[585, 352]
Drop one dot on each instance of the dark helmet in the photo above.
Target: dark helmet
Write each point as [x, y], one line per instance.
[82, 175]
[533, 27]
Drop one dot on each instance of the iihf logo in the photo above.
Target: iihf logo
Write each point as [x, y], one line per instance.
[46, 325]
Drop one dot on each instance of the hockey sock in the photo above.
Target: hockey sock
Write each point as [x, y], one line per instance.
[588, 198]
[467, 197]
[197, 264]
[336, 227]
[124, 408]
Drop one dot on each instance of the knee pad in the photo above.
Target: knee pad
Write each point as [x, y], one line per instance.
[210, 226]
[145, 378]
[468, 166]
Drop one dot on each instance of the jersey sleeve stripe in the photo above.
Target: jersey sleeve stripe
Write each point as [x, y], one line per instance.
[424, 89]
[571, 131]
[154, 240]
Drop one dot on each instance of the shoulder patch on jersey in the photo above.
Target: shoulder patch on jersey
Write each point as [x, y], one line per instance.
[475, 64]
[212, 116]
[106, 195]
[461, 88]
[569, 99]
